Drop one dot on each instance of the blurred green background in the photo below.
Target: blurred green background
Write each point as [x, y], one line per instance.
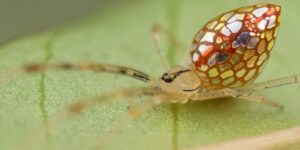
[23, 17]
[119, 33]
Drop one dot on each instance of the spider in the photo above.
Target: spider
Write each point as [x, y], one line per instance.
[227, 55]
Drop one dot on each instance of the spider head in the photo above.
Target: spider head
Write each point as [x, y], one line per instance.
[180, 82]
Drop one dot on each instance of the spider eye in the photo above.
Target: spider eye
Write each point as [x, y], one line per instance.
[167, 78]
[172, 75]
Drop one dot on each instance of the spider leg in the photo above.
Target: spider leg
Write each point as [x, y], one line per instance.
[155, 34]
[272, 83]
[224, 93]
[213, 94]
[90, 66]
[259, 99]
[158, 29]
[80, 106]
[133, 113]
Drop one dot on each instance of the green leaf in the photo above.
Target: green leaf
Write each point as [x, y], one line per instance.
[120, 34]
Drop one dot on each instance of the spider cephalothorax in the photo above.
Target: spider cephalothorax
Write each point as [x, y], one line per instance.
[180, 82]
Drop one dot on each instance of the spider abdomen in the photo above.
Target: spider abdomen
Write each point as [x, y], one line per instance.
[231, 50]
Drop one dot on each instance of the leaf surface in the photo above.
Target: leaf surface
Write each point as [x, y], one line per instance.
[120, 34]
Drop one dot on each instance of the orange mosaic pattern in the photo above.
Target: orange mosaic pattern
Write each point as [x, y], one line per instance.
[231, 49]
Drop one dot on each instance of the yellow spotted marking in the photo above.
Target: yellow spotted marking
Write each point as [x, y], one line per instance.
[270, 45]
[224, 67]
[199, 36]
[235, 58]
[250, 74]
[277, 8]
[246, 9]
[216, 81]
[261, 59]
[227, 74]
[228, 81]
[241, 73]
[219, 26]
[203, 68]
[251, 61]
[211, 25]
[248, 54]
[239, 66]
[226, 16]
[269, 35]
[213, 72]
[262, 35]
[261, 47]
[236, 84]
